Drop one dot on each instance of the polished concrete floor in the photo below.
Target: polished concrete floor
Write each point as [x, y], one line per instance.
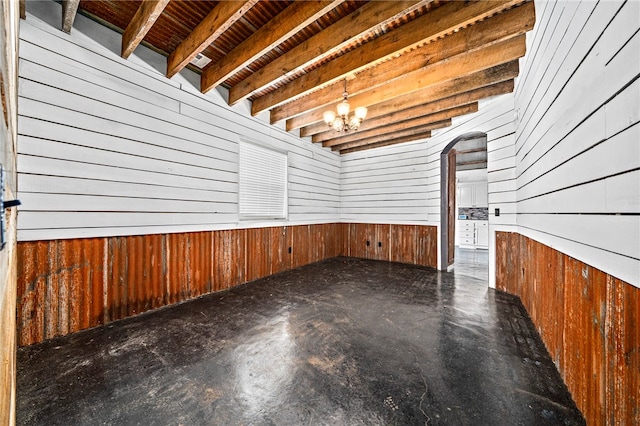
[340, 342]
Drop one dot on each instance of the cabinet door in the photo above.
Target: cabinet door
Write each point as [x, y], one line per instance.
[482, 234]
[481, 198]
[465, 195]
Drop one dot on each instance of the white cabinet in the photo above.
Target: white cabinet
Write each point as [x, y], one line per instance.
[473, 234]
[480, 195]
[482, 234]
[467, 233]
[465, 195]
[472, 194]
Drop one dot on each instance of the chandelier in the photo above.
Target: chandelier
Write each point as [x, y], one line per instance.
[342, 122]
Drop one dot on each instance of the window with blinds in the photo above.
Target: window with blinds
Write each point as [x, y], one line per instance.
[263, 183]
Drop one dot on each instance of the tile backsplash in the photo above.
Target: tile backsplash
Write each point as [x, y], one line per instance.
[473, 213]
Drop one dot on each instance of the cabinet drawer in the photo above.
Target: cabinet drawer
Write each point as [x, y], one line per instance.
[467, 234]
[466, 226]
[467, 241]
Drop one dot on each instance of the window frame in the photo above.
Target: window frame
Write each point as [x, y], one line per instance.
[272, 152]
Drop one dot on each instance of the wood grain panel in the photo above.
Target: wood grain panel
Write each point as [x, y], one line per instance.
[299, 245]
[623, 351]
[415, 244]
[380, 243]
[30, 321]
[10, 12]
[92, 274]
[587, 319]
[229, 261]
[426, 249]
[258, 253]
[351, 236]
[403, 245]
[344, 231]
[317, 243]
[584, 341]
[334, 239]
[69, 285]
[368, 240]
[190, 264]
[279, 238]
[550, 301]
[59, 288]
[117, 266]
[503, 268]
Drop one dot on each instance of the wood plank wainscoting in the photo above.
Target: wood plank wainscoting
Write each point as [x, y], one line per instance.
[69, 285]
[587, 319]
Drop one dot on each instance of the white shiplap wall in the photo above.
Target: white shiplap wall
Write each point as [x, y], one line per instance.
[401, 183]
[111, 147]
[387, 185]
[578, 137]
[564, 150]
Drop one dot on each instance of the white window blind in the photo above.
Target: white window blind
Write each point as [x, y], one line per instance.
[263, 182]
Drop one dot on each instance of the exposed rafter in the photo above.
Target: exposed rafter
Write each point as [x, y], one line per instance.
[295, 17]
[383, 126]
[412, 63]
[391, 141]
[461, 65]
[69, 11]
[381, 137]
[397, 112]
[480, 36]
[225, 14]
[142, 21]
[429, 27]
[427, 94]
[324, 44]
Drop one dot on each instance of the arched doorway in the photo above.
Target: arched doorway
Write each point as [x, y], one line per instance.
[473, 147]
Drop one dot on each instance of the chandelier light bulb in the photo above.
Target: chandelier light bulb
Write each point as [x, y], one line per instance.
[343, 108]
[329, 116]
[361, 112]
[354, 123]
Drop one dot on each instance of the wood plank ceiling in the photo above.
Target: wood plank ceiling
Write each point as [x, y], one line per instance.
[414, 64]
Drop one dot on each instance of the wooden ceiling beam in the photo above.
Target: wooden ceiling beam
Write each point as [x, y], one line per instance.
[394, 141]
[219, 20]
[144, 18]
[500, 28]
[458, 66]
[393, 135]
[386, 125]
[294, 18]
[441, 72]
[487, 83]
[397, 111]
[324, 44]
[426, 94]
[429, 27]
[69, 11]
